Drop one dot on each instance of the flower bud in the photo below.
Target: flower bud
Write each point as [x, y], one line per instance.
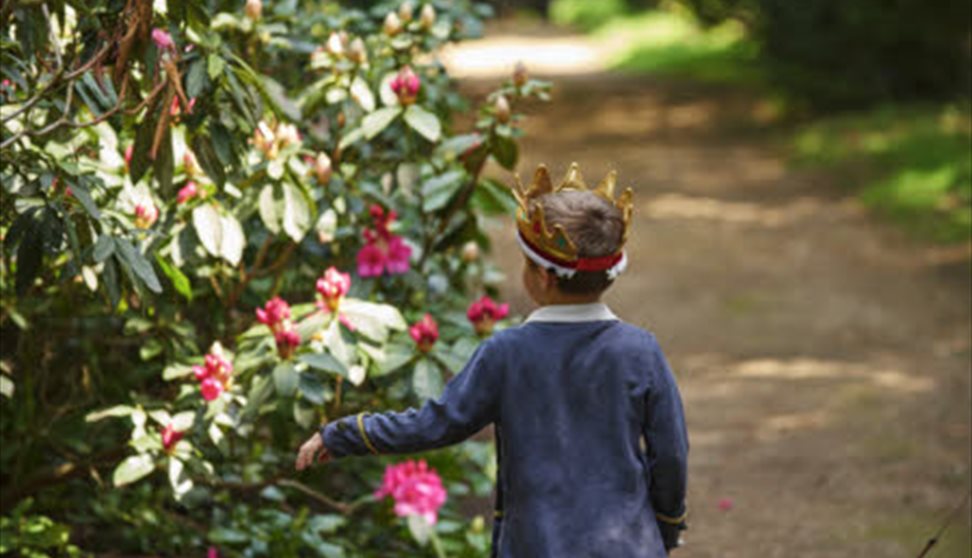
[425, 332]
[519, 74]
[146, 214]
[470, 252]
[406, 11]
[287, 134]
[427, 17]
[502, 108]
[393, 25]
[406, 85]
[128, 155]
[357, 52]
[170, 437]
[322, 168]
[162, 39]
[254, 9]
[189, 164]
[335, 45]
[187, 192]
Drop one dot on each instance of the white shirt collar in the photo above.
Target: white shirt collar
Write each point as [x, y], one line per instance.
[572, 313]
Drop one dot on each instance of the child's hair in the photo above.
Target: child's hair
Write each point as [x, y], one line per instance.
[594, 224]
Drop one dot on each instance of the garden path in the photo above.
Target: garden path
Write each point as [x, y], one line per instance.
[823, 356]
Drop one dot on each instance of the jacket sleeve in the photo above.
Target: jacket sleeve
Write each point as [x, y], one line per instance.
[468, 403]
[667, 446]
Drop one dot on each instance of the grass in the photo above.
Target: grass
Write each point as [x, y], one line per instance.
[672, 43]
[912, 163]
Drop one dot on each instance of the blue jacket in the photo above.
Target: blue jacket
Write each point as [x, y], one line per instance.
[590, 432]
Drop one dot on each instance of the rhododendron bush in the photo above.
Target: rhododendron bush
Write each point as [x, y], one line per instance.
[224, 224]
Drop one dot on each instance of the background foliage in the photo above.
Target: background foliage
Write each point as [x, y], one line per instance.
[167, 169]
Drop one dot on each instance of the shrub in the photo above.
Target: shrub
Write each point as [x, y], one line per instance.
[217, 225]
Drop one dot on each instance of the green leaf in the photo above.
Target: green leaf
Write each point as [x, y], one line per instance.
[396, 356]
[132, 469]
[420, 528]
[424, 122]
[271, 209]
[209, 228]
[362, 94]
[233, 241]
[111, 412]
[278, 99]
[197, 79]
[142, 146]
[82, 194]
[426, 380]
[260, 390]
[371, 319]
[373, 123]
[30, 254]
[493, 198]
[303, 415]
[297, 213]
[164, 166]
[351, 137]
[104, 247]
[438, 190]
[324, 362]
[209, 160]
[6, 386]
[140, 266]
[505, 151]
[214, 66]
[183, 421]
[285, 379]
[312, 389]
[179, 280]
[176, 371]
[457, 145]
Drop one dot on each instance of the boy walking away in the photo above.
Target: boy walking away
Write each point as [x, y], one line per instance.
[590, 432]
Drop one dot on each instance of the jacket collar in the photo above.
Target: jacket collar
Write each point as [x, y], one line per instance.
[592, 312]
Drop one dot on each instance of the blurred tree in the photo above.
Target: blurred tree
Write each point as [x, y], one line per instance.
[838, 54]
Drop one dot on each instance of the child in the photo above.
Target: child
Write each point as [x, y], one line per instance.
[590, 436]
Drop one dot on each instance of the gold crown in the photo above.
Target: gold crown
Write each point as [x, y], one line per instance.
[553, 240]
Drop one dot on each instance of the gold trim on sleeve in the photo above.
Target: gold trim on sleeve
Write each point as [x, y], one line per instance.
[364, 435]
[672, 520]
[498, 514]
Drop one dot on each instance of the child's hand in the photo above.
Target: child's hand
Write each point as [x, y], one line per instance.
[313, 449]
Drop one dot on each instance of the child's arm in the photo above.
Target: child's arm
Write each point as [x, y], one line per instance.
[667, 443]
[466, 406]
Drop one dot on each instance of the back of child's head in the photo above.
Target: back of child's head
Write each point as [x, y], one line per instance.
[596, 227]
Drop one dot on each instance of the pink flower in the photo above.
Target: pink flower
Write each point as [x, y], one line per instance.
[287, 340]
[332, 286]
[212, 552]
[162, 39]
[213, 376]
[187, 192]
[146, 214]
[211, 388]
[201, 372]
[425, 332]
[170, 436]
[371, 261]
[725, 504]
[273, 313]
[416, 488]
[406, 85]
[383, 250]
[399, 256]
[219, 367]
[483, 314]
[128, 156]
[175, 109]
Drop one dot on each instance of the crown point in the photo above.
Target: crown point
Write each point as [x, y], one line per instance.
[606, 187]
[541, 182]
[573, 180]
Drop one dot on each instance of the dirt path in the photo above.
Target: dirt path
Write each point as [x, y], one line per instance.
[823, 356]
